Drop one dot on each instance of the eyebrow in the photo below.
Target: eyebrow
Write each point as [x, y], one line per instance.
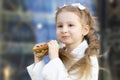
[66, 22]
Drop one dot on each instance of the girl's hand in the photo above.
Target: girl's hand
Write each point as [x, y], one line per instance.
[53, 49]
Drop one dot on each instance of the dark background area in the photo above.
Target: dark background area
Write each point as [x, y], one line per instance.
[109, 15]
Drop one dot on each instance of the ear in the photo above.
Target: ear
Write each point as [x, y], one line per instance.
[85, 30]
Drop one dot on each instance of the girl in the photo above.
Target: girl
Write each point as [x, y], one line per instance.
[78, 59]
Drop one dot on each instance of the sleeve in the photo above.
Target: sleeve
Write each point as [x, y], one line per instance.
[35, 70]
[55, 70]
[95, 68]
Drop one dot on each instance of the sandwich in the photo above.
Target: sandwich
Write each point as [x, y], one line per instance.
[41, 50]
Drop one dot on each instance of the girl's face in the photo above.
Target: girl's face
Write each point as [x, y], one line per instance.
[69, 29]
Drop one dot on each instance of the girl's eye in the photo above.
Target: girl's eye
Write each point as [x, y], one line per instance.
[60, 26]
[70, 25]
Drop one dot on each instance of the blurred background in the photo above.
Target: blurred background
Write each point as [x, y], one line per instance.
[24, 23]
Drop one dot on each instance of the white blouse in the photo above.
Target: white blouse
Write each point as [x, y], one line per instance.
[56, 70]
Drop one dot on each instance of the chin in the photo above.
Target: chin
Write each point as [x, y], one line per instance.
[66, 42]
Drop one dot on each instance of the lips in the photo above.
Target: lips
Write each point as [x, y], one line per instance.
[65, 37]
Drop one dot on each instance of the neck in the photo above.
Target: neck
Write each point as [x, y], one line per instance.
[72, 46]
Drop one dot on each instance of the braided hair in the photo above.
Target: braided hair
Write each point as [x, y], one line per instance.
[84, 64]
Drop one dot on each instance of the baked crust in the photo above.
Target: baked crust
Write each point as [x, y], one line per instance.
[40, 50]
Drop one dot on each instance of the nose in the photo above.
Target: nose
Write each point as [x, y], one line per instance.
[65, 29]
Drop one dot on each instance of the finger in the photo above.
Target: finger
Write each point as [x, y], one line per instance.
[56, 42]
[51, 42]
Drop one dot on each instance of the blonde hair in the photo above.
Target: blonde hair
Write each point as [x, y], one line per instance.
[84, 64]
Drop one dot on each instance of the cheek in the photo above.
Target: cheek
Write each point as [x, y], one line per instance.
[58, 33]
[76, 33]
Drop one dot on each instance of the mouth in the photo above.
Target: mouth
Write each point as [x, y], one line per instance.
[65, 37]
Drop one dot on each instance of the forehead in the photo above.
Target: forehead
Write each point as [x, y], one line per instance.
[65, 15]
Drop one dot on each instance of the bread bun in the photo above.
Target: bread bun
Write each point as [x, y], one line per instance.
[40, 50]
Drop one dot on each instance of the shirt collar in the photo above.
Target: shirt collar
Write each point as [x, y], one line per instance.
[80, 49]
